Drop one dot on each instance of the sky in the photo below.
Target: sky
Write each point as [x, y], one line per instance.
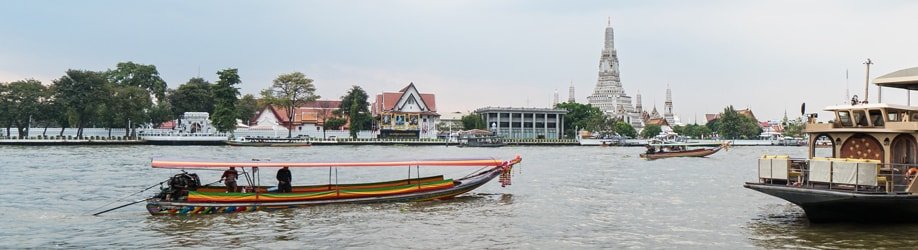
[769, 56]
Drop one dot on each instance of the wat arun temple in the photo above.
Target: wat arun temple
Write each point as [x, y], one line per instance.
[609, 96]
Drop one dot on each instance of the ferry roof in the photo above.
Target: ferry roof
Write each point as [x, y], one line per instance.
[903, 79]
[871, 106]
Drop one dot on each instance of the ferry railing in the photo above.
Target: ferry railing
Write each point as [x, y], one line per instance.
[798, 172]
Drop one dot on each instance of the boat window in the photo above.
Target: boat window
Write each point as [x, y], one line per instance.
[860, 119]
[845, 118]
[876, 116]
[893, 116]
[914, 116]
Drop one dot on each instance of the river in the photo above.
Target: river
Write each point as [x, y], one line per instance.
[561, 197]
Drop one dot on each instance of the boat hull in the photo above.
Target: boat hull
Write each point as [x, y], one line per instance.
[156, 207]
[689, 153]
[267, 144]
[823, 206]
[184, 140]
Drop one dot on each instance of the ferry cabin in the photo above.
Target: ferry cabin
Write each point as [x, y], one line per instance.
[881, 132]
[871, 149]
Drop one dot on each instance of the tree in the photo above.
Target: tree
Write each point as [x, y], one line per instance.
[246, 108]
[24, 98]
[225, 99]
[6, 117]
[794, 128]
[144, 76]
[290, 91]
[473, 121]
[650, 131]
[135, 104]
[334, 123]
[624, 129]
[56, 111]
[81, 91]
[679, 129]
[161, 112]
[733, 125]
[695, 131]
[194, 96]
[325, 112]
[582, 116]
[355, 107]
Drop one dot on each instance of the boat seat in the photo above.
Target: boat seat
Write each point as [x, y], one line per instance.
[848, 172]
[881, 180]
[778, 167]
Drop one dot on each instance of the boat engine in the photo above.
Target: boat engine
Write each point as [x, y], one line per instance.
[179, 185]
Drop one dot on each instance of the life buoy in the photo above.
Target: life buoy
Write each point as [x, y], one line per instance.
[911, 172]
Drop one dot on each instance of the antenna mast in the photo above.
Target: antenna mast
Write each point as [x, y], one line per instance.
[867, 80]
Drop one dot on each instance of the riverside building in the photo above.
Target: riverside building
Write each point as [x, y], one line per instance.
[524, 123]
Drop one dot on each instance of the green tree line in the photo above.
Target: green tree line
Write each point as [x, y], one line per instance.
[133, 95]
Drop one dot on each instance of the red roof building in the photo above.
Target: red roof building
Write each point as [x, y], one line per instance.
[407, 113]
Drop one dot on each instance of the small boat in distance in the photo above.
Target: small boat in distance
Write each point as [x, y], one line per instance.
[270, 142]
[669, 150]
[184, 194]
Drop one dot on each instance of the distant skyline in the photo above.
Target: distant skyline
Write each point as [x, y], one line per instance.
[769, 56]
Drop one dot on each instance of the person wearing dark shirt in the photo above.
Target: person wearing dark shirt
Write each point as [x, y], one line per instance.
[283, 180]
[229, 179]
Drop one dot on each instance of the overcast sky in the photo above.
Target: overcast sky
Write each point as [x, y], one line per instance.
[766, 55]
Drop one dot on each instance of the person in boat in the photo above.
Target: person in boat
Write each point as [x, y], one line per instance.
[283, 180]
[651, 150]
[229, 179]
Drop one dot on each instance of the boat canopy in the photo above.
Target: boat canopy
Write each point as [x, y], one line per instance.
[178, 164]
[903, 79]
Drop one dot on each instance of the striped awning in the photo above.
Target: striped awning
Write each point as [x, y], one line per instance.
[179, 164]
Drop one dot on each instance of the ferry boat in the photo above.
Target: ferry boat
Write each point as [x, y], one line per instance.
[193, 128]
[589, 139]
[184, 194]
[870, 173]
[270, 142]
[480, 138]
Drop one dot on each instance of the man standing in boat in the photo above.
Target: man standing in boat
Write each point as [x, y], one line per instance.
[283, 180]
[229, 179]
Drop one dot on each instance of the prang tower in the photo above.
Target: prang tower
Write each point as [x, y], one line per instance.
[668, 107]
[609, 96]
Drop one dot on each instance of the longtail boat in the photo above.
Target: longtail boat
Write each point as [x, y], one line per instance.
[269, 142]
[184, 195]
[660, 154]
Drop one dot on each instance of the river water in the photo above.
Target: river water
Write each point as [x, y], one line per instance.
[561, 197]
